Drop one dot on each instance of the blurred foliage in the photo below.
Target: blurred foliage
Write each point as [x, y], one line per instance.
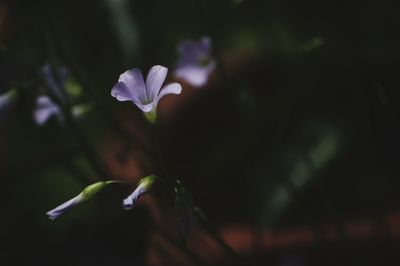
[291, 130]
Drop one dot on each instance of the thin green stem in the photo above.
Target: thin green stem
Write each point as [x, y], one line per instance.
[160, 165]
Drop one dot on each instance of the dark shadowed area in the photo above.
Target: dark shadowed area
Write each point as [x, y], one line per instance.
[289, 151]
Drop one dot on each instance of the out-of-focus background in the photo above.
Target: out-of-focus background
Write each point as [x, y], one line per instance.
[291, 149]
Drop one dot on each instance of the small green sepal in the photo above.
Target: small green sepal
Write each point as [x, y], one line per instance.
[93, 189]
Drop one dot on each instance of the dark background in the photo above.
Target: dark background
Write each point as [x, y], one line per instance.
[291, 149]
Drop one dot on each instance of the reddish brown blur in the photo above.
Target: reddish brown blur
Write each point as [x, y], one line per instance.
[249, 241]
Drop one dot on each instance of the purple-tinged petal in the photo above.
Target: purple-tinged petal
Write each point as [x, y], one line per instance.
[155, 79]
[196, 76]
[190, 51]
[131, 87]
[190, 57]
[185, 47]
[130, 201]
[173, 88]
[125, 89]
[45, 108]
[205, 44]
[41, 115]
[53, 214]
[121, 92]
[144, 185]
[86, 194]
[145, 107]
[195, 63]
[134, 82]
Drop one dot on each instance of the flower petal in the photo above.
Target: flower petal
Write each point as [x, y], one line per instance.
[145, 107]
[195, 63]
[144, 185]
[205, 44]
[192, 51]
[185, 47]
[87, 193]
[45, 108]
[173, 88]
[130, 201]
[53, 214]
[121, 92]
[154, 80]
[134, 82]
[196, 76]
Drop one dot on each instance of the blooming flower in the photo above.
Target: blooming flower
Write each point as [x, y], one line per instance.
[131, 87]
[86, 194]
[45, 107]
[55, 81]
[195, 63]
[144, 185]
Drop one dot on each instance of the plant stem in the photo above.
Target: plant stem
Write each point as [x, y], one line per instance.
[160, 165]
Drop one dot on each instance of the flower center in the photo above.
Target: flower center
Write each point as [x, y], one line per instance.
[204, 60]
